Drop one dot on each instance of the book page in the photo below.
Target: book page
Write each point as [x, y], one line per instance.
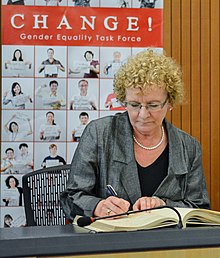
[199, 216]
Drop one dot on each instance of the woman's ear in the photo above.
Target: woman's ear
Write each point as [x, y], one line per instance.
[170, 106]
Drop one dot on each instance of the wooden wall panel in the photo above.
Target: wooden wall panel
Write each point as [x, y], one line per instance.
[195, 68]
[176, 49]
[167, 26]
[191, 36]
[186, 63]
[215, 112]
[206, 89]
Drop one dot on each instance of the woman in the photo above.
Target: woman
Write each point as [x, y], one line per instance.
[50, 131]
[17, 57]
[12, 129]
[93, 65]
[8, 221]
[13, 195]
[17, 97]
[147, 160]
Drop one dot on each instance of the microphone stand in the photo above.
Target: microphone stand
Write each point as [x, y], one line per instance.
[85, 221]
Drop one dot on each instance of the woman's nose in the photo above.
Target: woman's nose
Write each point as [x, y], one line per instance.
[144, 112]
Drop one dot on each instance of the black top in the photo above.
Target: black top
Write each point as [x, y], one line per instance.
[20, 190]
[58, 158]
[151, 176]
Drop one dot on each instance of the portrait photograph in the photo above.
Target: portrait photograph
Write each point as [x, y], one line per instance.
[83, 62]
[76, 123]
[11, 191]
[17, 93]
[18, 61]
[108, 99]
[111, 59]
[12, 217]
[50, 61]
[50, 93]
[51, 154]
[17, 157]
[50, 125]
[17, 126]
[83, 94]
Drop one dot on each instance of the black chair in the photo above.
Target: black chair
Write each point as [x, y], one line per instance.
[41, 189]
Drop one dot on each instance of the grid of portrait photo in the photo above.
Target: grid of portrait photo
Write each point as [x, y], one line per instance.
[49, 95]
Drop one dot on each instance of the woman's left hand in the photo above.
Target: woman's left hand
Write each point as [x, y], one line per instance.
[148, 203]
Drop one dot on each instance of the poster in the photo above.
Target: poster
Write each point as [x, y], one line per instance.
[59, 58]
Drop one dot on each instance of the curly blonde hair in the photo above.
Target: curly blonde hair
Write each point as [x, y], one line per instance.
[148, 70]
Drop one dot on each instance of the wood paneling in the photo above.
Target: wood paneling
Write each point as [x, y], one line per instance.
[191, 36]
[206, 88]
[186, 253]
[215, 106]
[186, 63]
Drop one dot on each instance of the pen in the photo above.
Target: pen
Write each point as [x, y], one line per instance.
[111, 191]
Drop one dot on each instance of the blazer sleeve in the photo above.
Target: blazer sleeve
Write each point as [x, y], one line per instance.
[80, 194]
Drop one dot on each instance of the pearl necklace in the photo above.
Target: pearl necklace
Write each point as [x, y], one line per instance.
[153, 147]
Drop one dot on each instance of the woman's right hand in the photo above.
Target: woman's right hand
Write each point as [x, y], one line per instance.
[111, 206]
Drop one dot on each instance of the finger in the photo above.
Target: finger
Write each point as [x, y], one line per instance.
[144, 203]
[136, 206]
[122, 204]
[117, 205]
[151, 203]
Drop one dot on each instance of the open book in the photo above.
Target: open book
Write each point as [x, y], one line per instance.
[165, 217]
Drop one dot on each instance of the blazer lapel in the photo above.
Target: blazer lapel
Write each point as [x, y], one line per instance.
[124, 153]
[130, 181]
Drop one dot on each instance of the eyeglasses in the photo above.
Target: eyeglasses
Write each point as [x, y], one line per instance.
[153, 107]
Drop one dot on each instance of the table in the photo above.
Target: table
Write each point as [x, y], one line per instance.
[72, 240]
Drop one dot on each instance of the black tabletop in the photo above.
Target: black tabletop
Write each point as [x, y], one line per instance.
[69, 239]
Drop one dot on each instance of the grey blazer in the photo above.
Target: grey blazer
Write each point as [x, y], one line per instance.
[105, 155]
